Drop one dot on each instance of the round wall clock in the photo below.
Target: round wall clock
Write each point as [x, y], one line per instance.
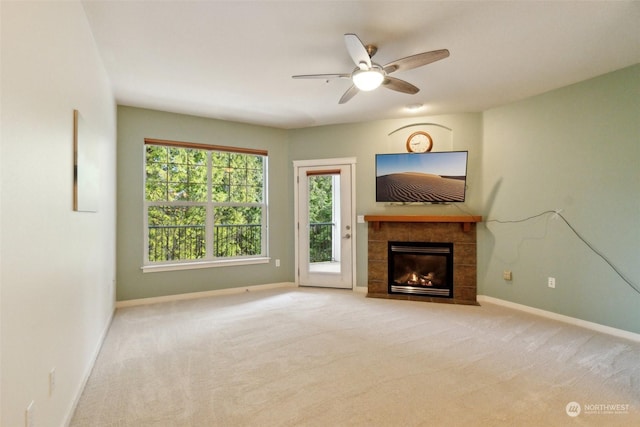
[419, 142]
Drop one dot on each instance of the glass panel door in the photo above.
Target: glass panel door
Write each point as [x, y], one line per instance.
[325, 242]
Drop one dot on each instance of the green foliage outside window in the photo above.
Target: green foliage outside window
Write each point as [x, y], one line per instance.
[185, 186]
[321, 218]
[320, 198]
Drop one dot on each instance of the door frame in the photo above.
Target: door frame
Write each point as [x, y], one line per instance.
[328, 163]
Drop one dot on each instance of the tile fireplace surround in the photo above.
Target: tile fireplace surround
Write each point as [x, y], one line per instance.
[459, 230]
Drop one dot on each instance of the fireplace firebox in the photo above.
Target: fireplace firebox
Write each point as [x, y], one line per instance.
[421, 268]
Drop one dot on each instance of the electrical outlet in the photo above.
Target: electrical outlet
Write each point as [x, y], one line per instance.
[52, 381]
[28, 415]
[507, 275]
[277, 263]
[551, 282]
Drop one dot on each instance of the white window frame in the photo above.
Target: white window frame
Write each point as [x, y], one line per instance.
[209, 261]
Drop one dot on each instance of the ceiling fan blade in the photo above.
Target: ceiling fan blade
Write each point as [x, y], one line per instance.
[399, 85]
[357, 50]
[415, 61]
[322, 76]
[350, 93]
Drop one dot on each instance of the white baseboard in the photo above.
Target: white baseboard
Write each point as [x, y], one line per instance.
[204, 294]
[562, 318]
[87, 373]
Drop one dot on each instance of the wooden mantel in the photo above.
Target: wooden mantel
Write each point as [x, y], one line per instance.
[465, 220]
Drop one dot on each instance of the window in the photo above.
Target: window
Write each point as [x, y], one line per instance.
[204, 204]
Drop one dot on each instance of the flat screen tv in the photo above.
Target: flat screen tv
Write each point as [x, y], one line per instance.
[431, 177]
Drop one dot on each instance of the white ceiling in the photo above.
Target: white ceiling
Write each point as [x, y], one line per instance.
[233, 60]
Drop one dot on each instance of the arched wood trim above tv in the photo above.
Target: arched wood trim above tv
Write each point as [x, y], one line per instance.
[419, 124]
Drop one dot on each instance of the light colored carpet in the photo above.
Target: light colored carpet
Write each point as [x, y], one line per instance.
[319, 357]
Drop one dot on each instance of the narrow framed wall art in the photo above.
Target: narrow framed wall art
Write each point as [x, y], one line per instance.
[85, 167]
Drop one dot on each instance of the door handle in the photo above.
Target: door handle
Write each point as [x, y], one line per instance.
[347, 236]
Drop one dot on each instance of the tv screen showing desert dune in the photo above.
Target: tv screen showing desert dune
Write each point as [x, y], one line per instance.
[437, 177]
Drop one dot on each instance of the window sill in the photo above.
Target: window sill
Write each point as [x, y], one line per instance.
[203, 264]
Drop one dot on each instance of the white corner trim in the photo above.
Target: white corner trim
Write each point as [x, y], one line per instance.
[620, 333]
[204, 294]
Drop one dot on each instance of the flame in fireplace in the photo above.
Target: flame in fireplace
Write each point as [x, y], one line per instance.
[419, 279]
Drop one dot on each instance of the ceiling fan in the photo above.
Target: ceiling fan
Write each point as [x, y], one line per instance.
[368, 75]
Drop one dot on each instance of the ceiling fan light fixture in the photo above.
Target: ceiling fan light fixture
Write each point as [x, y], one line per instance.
[368, 75]
[367, 80]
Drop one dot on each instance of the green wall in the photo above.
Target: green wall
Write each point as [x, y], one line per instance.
[364, 140]
[576, 149]
[134, 125]
[360, 140]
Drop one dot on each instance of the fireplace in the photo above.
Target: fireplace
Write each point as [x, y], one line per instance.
[410, 230]
[421, 268]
